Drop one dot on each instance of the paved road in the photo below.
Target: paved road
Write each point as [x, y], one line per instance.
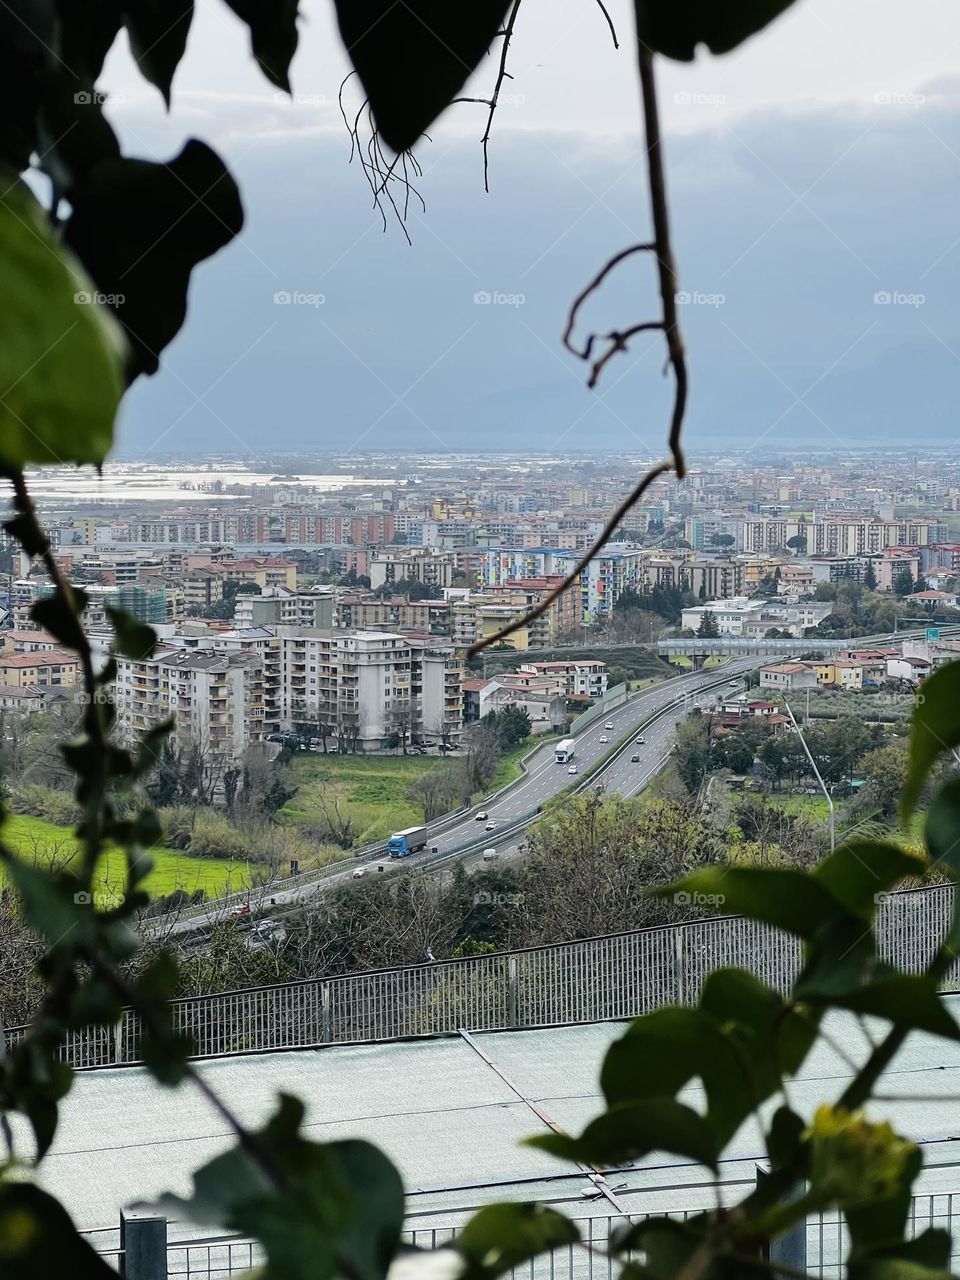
[543, 779]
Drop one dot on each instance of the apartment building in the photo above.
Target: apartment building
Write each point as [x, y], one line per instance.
[583, 679]
[364, 613]
[265, 571]
[600, 585]
[752, 619]
[278, 607]
[435, 569]
[201, 589]
[47, 667]
[836, 535]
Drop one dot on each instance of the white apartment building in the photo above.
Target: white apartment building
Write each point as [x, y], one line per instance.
[216, 698]
[752, 619]
[836, 535]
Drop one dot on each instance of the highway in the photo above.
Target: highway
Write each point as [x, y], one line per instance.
[543, 779]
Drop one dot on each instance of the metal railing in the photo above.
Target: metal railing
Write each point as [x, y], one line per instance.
[613, 977]
[826, 1241]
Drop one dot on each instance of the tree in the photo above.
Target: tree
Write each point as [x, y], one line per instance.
[708, 628]
[870, 577]
[797, 543]
[722, 540]
[903, 582]
[692, 751]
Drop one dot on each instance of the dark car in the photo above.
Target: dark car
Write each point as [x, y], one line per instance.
[634, 759]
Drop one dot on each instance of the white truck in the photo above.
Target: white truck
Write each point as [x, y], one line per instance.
[563, 752]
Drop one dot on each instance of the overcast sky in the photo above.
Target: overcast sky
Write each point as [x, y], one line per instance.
[811, 173]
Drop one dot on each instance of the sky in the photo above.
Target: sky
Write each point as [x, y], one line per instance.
[812, 175]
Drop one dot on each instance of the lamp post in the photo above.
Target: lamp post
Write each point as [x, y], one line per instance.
[816, 771]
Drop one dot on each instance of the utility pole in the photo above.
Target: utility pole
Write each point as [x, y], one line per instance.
[816, 771]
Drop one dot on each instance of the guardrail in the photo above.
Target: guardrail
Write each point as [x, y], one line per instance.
[613, 977]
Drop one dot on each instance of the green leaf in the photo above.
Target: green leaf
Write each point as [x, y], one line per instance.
[167, 1057]
[26, 34]
[926, 1257]
[319, 1209]
[62, 618]
[62, 354]
[158, 31]
[935, 728]
[55, 904]
[413, 58]
[273, 35]
[86, 30]
[790, 900]
[656, 1056]
[503, 1236]
[676, 29]
[860, 871]
[132, 638]
[942, 828]
[142, 227]
[668, 1244]
[38, 1239]
[631, 1131]
[906, 999]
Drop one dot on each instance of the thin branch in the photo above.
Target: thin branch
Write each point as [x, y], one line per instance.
[502, 74]
[613, 29]
[634, 496]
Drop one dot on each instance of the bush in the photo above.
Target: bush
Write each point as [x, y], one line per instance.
[39, 801]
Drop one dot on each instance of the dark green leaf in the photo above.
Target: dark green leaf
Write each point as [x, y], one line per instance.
[61, 619]
[132, 638]
[26, 34]
[907, 999]
[942, 828]
[86, 29]
[785, 1138]
[62, 354]
[631, 1131]
[790, 900]
[141, 228]
[412, 58]
[667, 1243]
[860, 871]
[657, 1055]
[39, 1242]
[503, 1236]
[55, 904]
[273, 35]
[167, 1056]
[158, 32]
[73, 131]
[935, 728]
[677, 27]
[339, 1209]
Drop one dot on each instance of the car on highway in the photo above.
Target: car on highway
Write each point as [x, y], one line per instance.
[572, 769]
[604, 738]
[242, 910]
[733, 683]
[358, 872]
[640, 740]
[608, 725]
[481, 816]
[491, 826]
[634, 759]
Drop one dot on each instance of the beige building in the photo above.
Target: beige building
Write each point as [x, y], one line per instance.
[50, 667]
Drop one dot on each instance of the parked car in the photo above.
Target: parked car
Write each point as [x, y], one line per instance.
[572, 769]
[489, 855]
[481, 816]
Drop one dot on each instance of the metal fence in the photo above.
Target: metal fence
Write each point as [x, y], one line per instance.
[612, 977]
[825, 1241]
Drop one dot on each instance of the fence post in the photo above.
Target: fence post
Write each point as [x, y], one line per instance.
[680, 960]
[790, 1250]
[512, 991]
[326, 1027]
[143, 1239]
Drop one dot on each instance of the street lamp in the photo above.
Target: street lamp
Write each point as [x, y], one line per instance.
[816, 771]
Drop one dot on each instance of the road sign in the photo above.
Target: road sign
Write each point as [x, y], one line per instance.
[933, 633]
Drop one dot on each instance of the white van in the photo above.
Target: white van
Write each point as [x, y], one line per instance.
[489, 855]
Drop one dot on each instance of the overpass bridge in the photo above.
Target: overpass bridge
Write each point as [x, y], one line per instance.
[697, 647]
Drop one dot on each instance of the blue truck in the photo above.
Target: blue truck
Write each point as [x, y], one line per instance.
[411, 840]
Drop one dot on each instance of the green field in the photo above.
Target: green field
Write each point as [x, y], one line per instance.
[812, 807]
[371, 789]
[33, 838]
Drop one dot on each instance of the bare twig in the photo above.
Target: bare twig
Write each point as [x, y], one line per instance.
[502, 74]
[613, 29]
[634, 496]
[378, 171]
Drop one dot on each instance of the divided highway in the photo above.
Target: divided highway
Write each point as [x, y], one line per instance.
[516, 806]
